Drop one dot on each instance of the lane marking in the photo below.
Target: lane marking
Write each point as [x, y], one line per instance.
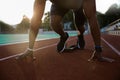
[16, 55]
[113, 48]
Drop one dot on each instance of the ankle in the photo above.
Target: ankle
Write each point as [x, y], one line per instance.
[98, 49]
[64, 35]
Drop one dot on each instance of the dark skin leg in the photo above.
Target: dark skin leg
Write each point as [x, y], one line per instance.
[57, 14]
[90, 12]
[79, 20]
[56, 24]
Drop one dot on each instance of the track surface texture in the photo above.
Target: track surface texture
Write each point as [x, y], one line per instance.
[50, 65]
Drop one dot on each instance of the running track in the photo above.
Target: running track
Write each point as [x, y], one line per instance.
[49, 65]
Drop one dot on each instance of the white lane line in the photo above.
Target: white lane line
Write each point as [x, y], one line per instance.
[114, 49]
[16, 55]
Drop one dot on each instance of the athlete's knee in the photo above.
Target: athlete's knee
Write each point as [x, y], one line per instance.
[55, 22]
[52, 23]
[80, 19]
[81, 29]
[35, 24]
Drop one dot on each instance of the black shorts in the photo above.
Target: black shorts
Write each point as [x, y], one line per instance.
[57, 10]
[79, 14]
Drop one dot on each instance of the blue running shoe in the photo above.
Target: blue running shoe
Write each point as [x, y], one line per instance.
[62, 43]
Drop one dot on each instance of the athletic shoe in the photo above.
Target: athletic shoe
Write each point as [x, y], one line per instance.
[62, 43]
[80, 42]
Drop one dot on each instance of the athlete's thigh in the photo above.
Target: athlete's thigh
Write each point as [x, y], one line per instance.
[57, 13]
[79, 17]
[89, 7]
[39, 6]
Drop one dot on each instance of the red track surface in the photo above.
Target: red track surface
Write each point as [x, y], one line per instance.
[49, 65]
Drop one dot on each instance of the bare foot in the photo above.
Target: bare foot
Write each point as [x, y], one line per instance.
[26, 54]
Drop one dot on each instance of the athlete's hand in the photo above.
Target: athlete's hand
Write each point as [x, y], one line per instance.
[97, 55]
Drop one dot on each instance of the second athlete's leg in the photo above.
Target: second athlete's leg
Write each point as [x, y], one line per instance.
[57, 15]
[79, 19]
